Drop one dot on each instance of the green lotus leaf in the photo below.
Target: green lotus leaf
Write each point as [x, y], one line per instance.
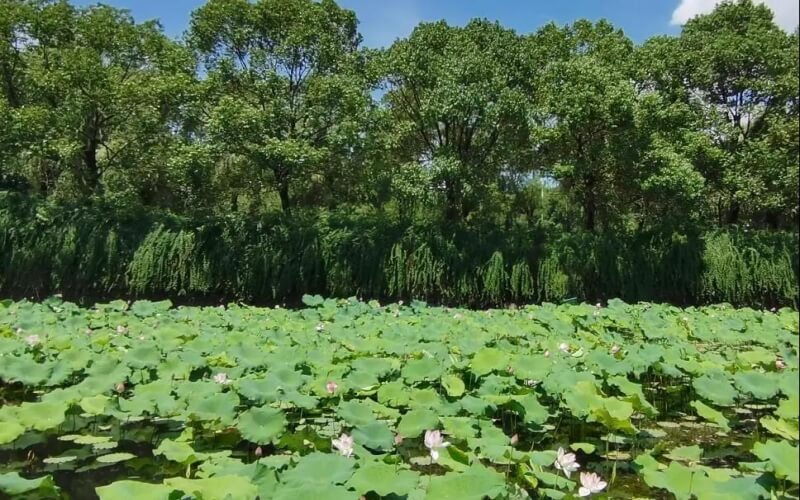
[312, 491]
[418, 370]
[11, 483]
[93, 440]
[533, 411]
[95, 405]
[738, 488]
[41, 416]
[782, 457]
[587, 448]
[685, 453]
[477, 482]
[415, 422]
[10, 430]
[716, 388]
[460, 427]
[787, 429]
[374, 435]
[322, 468]
[113, 458]
[383, 479]
[220, 406]
[552, 479]
[355, 412]
[215, 488]
[789, 408]
[488, 360]
[677, 479]
[312, 300]
[760, 385]
[711, 415]
[261, 425]
[178, 451]
[393, 394]
[129, 490]
[453, 385]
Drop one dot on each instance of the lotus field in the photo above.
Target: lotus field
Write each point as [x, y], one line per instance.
[345, 400]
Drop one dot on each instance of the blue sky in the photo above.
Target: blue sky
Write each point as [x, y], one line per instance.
[382, 21]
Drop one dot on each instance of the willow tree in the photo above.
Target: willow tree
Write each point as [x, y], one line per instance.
[284, 85]
[459, 107]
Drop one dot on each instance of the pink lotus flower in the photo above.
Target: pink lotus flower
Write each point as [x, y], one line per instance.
[434, 441]
[259, 452]
[565, 462]
[591, 483]
[33, 340]
[780, 364]
[331, 387]
[344, 445]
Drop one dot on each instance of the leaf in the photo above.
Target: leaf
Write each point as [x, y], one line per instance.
[215, 488]
[477, 482]
[383, 479]
[95, 405]
[261, 425]
[11, 483]
[782, 457]
[534, 412]
[323, 468]
[760, 385]
[453, 385]
[587, 448]
[685, 453]
[488, 360]
[130, 490]
[10, 431]
[312, 300]
[113, 458]
[419, 370]
[178, 451]
[60, 460]
[415, 422]
[715, 388]
[787, 429]
[677, 479]
[374, 435]
[355, 412]
[711, 415]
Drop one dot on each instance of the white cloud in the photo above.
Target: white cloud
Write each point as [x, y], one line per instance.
[787, 12]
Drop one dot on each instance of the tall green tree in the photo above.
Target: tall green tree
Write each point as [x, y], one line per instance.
[285, 85]
[457, 97]
[588, 114]
[740, 72]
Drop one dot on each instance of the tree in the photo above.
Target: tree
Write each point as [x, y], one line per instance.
[285, 84]
[740, 72]
[459, 107]
[99, 93]
[588, 114]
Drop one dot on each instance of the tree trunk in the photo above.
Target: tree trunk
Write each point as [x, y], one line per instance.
[283, 192]
[589, 206]
[733, 212]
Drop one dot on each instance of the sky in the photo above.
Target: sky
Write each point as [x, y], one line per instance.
[383, 21]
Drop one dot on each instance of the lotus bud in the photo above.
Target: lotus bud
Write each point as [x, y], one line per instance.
[120, 387]
[259, 452]
[331, 387]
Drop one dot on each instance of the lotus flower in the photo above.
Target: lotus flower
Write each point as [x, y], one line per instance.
[434, 441]
[222, 378]
[344, 444]
[121, 330]
[565, 462]
[598, 305]
[320, 327]
[32, 340]
[591, 483]
[259, 452]
[564, 347]
[773, 309]
[780, 364]
[398, 440]
[120, 387]
[615, 349]
[331, 387]
[546, 354]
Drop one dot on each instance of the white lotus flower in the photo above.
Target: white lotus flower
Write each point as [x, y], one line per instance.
[434, 441]
[565, 462]
[33, 340]
[222, 378]
[591, 483]
[564, 347]
[344, 444]
[615, 349]
[320, 327]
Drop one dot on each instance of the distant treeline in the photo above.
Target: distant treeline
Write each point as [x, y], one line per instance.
[96, 254]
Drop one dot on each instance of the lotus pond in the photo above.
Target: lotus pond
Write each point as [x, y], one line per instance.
[344, 399]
